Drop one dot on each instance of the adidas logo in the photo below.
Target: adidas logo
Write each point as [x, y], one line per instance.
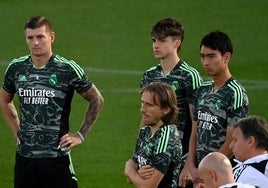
[23, 79]
[202, 102]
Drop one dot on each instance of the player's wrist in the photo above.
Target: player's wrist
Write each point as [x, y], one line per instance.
[81, 136]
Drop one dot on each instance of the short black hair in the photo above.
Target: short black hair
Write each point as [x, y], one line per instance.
[217, 40]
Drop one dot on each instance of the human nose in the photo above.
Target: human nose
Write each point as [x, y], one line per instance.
[155, 44]
[204, 60]
[142, 108]
[35, 41]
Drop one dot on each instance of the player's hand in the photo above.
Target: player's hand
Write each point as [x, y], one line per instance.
[185, 177]
[194, 175]
[146, 171]
[69, 140]
[130, 165]
[200, 185]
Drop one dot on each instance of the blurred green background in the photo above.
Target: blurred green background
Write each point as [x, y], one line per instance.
[111, 41]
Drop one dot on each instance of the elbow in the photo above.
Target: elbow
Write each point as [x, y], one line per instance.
[101, 101]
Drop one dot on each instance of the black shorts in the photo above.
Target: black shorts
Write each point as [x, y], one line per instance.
[44, 172]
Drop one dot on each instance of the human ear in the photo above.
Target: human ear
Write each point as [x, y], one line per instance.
[227, 57]
[177, 43]
[52, 35]
[213, 176]
[251, 141]
[166, 110]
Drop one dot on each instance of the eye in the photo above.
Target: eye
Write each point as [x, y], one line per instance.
[211, 55]
[40, 36]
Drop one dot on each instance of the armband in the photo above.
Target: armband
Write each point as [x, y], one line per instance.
[81, 136]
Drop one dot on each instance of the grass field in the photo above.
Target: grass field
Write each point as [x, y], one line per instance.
[111, 41]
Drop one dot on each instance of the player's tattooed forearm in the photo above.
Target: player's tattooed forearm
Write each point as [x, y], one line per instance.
[96, 102]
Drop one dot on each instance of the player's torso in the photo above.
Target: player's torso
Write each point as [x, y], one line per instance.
[211, 112]
[181, 81]
[45, 95]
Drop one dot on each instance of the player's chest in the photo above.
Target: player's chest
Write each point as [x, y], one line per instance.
[213, 100]
[41, 79]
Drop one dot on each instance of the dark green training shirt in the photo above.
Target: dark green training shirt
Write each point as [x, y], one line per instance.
[45, 96]
[214, 111]
[185, 80]
[162, 151]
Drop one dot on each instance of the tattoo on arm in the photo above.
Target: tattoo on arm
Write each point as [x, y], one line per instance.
[95, 104]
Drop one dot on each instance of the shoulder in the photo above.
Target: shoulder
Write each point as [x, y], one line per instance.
[237, 92]
[69, 63]
[17, 62]
[257, 159]
[185, 66]
[259, 162]
[63, 60]
[170, 132]
[152, 69]
[205, 85]
[191, 71]
[235, 85]
[189, 74]
[20, 59]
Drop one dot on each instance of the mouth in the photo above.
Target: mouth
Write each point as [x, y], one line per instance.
[207, 69]
[145, 117]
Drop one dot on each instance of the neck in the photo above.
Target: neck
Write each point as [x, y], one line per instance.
[220, 80]
[156, 126]
[169, 63]
[40, 61]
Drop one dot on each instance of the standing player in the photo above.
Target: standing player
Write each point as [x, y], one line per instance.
[167, 36]
[219, 104]
[158, 145]
[45, 84]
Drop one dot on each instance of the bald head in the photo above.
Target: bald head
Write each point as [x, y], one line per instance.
[217, 161]
[215, 169]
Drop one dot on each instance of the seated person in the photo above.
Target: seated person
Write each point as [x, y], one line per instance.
[250, 145]
[215, 170]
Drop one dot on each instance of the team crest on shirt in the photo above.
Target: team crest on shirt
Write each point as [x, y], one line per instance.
[148, 149]
[217, 104]
[175, 85]
[53, 79]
